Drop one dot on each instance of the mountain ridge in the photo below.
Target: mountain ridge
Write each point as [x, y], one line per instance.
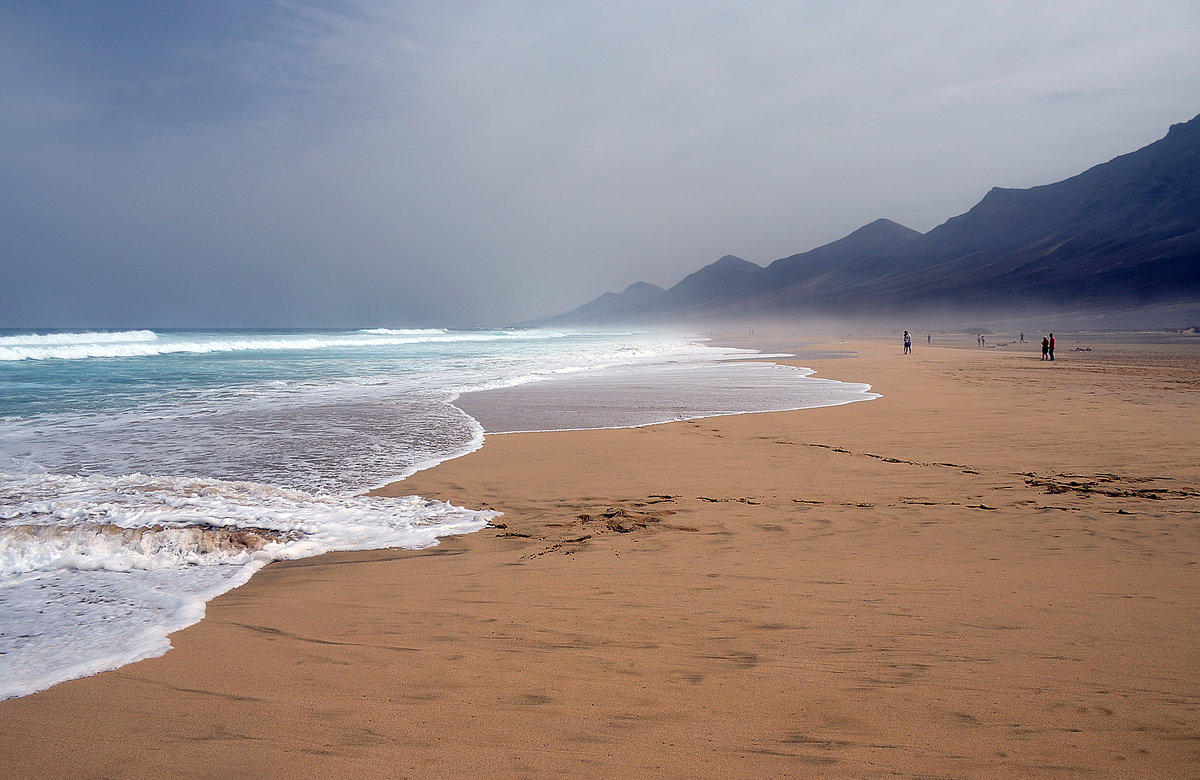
[1123, 232]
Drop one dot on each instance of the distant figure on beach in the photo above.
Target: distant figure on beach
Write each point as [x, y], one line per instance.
[1045, 347]
[907, 343]
[1051, 346]
[928, 338]
[1022, 338]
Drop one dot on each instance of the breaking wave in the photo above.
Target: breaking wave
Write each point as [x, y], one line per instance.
[98, 571]
[50, 522]
[145, 343]
[99, 337]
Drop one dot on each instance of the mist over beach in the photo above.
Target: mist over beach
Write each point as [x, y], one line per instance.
[358, 164]
[684, 389]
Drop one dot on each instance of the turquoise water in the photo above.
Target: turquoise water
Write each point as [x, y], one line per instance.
[325, 411]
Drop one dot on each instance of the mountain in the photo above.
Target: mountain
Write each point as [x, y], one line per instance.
[1123, 233]
[630, 304]
[729, 278]
[843, 263]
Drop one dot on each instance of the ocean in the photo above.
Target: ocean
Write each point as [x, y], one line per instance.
[145, 472]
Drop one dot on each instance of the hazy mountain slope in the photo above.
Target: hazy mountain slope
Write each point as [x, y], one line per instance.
[1125, 229]
[729, 278]
[847, 261]
[632, 303]
[1126, 232]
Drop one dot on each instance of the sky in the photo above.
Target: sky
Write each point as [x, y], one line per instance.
[363, 163]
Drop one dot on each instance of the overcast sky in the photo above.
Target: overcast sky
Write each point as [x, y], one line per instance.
[380, 162]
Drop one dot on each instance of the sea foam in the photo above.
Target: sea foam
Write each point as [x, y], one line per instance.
[118, 563]
[144, 343]
[55, 521]
[100, 337]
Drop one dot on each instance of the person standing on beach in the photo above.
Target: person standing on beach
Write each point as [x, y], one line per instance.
[1052, 346]
[1045, 347]
[907, 343]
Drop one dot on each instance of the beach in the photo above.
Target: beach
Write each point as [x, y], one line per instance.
[990, 571]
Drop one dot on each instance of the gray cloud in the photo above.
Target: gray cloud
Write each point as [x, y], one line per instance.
[355, 163]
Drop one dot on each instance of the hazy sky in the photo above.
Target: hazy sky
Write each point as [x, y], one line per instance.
[381, 162]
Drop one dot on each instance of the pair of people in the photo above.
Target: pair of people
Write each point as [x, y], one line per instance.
[907, 343]
[1048, 347]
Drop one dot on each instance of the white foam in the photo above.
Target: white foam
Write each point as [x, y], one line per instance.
[650, 395]
[97, 571]
[76, 624]
[102, 337]
[80, 348]
[56, 521]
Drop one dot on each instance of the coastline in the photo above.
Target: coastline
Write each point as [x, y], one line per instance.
[989, 570]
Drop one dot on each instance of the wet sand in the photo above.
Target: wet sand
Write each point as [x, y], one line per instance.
[991, 571]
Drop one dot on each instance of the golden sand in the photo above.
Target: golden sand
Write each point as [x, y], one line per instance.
[991, 571]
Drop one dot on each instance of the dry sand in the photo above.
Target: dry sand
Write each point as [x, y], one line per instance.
[991, 571]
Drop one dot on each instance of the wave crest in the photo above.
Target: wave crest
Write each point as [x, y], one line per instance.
[51, 522]
[98, 337]
[91, 546]
[144, 345]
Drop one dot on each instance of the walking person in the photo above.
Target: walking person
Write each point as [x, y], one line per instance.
[907, 343]
[1052, 346]
[1045, 348]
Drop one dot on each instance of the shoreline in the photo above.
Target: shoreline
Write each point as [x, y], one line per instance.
[587, 390]
[618, 397]
[989, 570]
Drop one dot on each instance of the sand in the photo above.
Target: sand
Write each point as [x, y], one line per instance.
[991, 571]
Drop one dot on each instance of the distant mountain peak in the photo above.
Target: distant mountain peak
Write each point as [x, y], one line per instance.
[642, 289]
[998, 198]
[728, 277]
[883, 223]
[1188, 128]
[610, 307]
[881, 230]
[734, 262]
